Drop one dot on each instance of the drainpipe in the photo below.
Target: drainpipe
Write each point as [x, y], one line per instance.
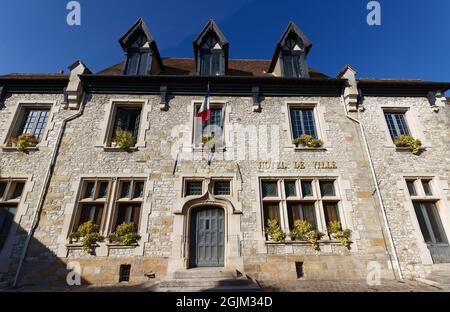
[48, 175]
[396, 263]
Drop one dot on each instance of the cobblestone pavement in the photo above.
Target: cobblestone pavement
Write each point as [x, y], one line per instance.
[349, 286]
[285, 286]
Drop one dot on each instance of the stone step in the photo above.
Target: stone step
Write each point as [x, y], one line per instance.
[205, 273]
[205, 282]
[207, 279]
[216, 289]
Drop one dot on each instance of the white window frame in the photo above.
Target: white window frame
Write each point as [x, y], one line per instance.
[316, 198]
[108, 121]
[225, 120]
[438, 198]
[318, 120]
[17, 117]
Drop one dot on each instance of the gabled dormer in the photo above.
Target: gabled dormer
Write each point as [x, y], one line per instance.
[211, 51]
[141, 53]
[289, 59]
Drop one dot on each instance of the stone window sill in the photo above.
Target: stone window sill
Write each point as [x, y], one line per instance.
[121, 246]
[291, 242]
[72, 246]
[14, 149]
[118, 149]
[309, 149]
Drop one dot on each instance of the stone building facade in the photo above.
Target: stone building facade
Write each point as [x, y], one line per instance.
[197, 204]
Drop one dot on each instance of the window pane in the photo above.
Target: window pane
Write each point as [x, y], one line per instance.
[214, 124]
[7, 214]
[128, 213]
[331, 212]
[132, 63]
[427, 188]
[269, 188]
[34, 122]
[397, 124]
[271, 212]
[436, 224]
[91, 212]
[302, 121]
[89, 192]
[127, 119]
[222, 188]
[307, 188]
[18, 189]
[297, 211]
[194, 188]
[2, 189]
[103, 189]
[422, 223]
[138, 190]
[411, 188]
[289, 187]
[125, 189]
[327, 188]
[144, 63]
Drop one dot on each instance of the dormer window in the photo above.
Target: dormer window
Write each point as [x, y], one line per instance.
[289, 59]
[141, 53]
[211, 58]
[139, 57]
[211, 51]
[293, 59]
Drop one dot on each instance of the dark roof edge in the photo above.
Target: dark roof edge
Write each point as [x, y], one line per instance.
[34, 84]
[400, 86]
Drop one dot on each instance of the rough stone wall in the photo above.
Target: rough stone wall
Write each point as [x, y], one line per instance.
[391, 166]
[32, 166]
[79, 156]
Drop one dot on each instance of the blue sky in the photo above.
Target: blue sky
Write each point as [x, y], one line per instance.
[412, 42]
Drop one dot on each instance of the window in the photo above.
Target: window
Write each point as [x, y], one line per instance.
[301, 211]
[293, 59]
[318, 209]
[426, 188]
[212, 127]
[128, 202]
[426, 211]
[31, 120]
[127, 119]
[396, 123]
[222, 188]
[269, 188]
[211, 57]
[34, 122]
[139, 57]
[411, 188]
[124, 273]
[327, 188]
[307, 188]
[93, 201]
[430, 223]
[194, 188]
[302, 122]
[290, 188]
[10, 196]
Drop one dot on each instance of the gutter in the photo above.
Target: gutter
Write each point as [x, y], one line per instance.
[45, 186]
[396, 263]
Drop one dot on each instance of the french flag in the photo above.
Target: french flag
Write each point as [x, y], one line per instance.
[205, 110]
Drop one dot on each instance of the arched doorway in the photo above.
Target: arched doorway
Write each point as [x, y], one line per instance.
[207, 237]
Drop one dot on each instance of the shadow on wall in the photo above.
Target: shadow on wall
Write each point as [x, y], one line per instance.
[42, 267]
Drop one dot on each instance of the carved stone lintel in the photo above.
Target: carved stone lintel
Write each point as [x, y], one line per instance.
[256, 98]
[163, 105]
